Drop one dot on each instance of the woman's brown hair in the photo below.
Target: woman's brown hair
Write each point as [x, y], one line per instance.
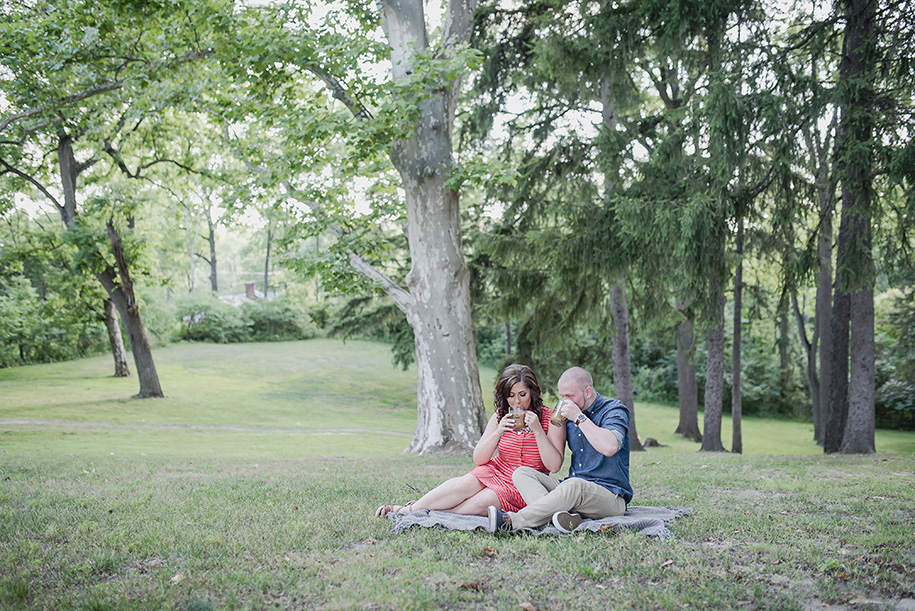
[510, 376]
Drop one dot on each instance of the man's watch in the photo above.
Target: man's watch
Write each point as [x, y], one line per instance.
[581, 418]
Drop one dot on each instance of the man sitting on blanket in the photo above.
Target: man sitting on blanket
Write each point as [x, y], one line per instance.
[597, 432]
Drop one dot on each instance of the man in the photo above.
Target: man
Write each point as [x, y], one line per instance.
[597, 432]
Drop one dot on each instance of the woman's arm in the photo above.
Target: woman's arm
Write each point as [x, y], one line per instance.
[550, 456]
[489, 441]
[557, 436]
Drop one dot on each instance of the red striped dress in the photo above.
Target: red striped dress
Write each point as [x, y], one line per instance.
[515, 449]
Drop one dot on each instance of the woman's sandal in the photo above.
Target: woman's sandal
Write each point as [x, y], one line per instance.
[384, 510]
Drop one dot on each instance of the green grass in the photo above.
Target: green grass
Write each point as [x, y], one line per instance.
[253, 485]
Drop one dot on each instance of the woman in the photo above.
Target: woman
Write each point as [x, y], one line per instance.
[538, 445]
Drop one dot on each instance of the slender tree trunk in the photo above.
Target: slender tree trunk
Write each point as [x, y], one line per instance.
[736, 398]
[714, 376]
[267, 258]
[116, 341]
[508, 340]
[123, 296]
[622, 363]
[211, 239]
[619, 309]
[810, 353]
[190, 243]
[687, 388]
[838, 366]
[786, 366]
[823, 312]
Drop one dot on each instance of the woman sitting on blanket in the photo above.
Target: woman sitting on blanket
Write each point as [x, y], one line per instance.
[490, 483]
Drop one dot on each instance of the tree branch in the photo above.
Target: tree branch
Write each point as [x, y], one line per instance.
[11, 170]
[339, 92]
[103, 88]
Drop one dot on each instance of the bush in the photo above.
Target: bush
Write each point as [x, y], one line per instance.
[205, 318]
[276, 320]
[43, 329]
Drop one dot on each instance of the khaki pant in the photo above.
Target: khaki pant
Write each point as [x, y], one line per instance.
[545, 496]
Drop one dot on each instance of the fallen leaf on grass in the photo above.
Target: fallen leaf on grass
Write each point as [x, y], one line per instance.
[371, 541]
[488, 551]
[667, 563]
[178, 578]
[475, 585]
[528, 607]
[841, 575]
[607, 527]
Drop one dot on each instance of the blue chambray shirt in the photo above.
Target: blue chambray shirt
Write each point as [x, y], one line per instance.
[611, 472]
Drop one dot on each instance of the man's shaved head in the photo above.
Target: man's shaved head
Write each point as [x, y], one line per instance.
[577, 377]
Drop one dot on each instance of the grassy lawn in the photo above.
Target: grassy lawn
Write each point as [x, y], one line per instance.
[253, 486]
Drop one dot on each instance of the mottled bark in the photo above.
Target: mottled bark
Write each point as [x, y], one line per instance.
[450, 402]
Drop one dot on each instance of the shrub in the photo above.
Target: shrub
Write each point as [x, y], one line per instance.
[205, 318]
[277, 320]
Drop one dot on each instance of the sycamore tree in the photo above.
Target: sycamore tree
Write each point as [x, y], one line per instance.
[326, 101]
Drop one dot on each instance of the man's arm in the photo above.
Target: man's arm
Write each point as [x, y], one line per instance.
[601, 439]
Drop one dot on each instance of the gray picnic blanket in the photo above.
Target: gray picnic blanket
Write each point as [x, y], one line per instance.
[651, 521]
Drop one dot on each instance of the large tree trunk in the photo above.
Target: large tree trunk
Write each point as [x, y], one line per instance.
[856, 72]
[714, 375]
[860, 424]
[851, 425]
[622, 363]
[687, 389]
[837, 408]
[736, 398]
[449, 399]
[116, 341]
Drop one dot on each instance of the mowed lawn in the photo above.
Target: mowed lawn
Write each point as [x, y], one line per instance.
[253, 485]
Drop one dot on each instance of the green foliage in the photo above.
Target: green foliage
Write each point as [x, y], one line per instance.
[204, 317]
[43, 328]
[368, 317]
[895, 368]
[279, 319]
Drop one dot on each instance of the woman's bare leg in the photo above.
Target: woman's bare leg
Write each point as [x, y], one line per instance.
[478, 503]
[449, 494]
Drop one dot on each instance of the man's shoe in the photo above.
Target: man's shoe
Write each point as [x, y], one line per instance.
[498, 521]
[566, 522]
